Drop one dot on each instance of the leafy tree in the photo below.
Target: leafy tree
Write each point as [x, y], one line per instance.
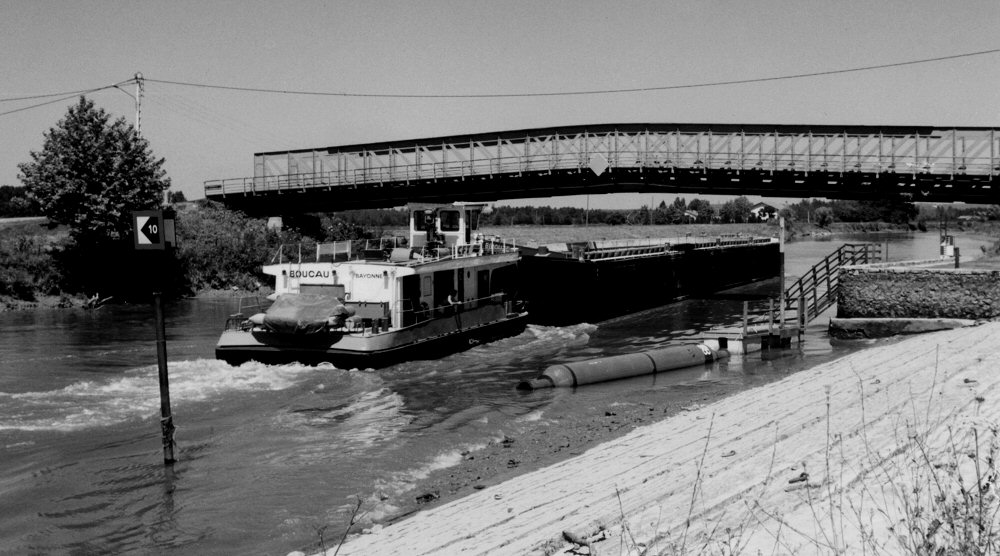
[736, 210]
[219, 248]
[176, 197]
[91, 173]
[704, 209]
[823, 216]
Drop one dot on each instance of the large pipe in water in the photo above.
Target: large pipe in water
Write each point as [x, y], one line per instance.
[624, 366]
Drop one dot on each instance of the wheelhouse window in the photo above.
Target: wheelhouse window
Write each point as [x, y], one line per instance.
[419, 221]
[449, 220]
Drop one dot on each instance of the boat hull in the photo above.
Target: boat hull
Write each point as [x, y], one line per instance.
[562, 290]
[426, 340]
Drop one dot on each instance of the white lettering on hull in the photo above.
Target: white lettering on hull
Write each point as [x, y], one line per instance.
[309, 274]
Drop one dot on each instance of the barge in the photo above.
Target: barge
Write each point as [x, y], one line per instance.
[443, 289]
[565, 283]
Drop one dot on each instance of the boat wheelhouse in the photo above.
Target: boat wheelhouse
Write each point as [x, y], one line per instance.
[442, 289]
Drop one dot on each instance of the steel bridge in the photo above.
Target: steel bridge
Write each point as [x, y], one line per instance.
[933, 164]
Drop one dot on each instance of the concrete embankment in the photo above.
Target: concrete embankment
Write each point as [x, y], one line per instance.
[880, 300]
[823, 461]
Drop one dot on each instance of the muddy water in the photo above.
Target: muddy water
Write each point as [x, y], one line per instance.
[270, 456]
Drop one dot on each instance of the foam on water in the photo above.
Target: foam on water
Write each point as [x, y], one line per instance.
[554, 333]
[362, 420]
[403, 482]
[97, 403]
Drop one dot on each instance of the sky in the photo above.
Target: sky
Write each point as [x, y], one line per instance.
[475, 47]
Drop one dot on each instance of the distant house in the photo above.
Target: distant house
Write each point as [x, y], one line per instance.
[763, 212]
[690, 216]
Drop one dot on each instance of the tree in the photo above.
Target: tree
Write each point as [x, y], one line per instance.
[704, 210]
[737, 210]
[219, 248]
[92, 173]
[824, 216]
[176, 197]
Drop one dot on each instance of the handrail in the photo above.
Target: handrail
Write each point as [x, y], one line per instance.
[942, 152]
[815, 290]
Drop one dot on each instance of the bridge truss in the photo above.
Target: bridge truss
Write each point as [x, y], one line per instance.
[853, 162]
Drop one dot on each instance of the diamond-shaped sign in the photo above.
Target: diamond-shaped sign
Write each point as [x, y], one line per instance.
[598, 163]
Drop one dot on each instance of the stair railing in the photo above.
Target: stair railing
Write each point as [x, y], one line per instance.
[816, 290]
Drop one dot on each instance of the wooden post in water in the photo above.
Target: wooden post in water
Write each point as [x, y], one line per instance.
[166, 419]
[781, 257]
[802, 316]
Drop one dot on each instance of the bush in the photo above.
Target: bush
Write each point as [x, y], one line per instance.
[218, 248]
[27, 267]
[824, 216]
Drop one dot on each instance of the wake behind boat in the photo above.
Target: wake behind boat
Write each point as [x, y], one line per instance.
[443, 290]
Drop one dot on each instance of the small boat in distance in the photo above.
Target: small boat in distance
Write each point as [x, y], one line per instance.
[441, 290]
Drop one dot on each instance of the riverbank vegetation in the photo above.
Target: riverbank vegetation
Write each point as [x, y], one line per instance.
[219, 249]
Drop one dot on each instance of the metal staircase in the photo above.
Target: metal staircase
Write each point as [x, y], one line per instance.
[806, 298]
[769, 323]
[816, 290]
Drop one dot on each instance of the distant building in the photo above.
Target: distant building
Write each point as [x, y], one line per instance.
[690, 216]
[762, 212]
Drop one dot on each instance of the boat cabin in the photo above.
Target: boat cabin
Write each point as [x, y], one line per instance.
[391, 285]
[443, 225]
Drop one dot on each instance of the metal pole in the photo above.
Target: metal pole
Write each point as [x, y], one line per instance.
[781, 269]
[166, 419]
[138, 103]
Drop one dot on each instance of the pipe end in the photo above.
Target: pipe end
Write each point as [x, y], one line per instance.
[535, 383]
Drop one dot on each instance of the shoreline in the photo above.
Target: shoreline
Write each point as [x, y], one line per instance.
[820, 458]
[65, 301]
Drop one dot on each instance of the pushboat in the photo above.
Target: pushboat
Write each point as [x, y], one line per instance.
[443, 289]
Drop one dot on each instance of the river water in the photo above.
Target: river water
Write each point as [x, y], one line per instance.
[270, 455]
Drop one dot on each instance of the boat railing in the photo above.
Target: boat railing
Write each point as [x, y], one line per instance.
[414, 313]
[383, 249]
[715, 243]
[248, 305]
[345, 250]
[647, 248]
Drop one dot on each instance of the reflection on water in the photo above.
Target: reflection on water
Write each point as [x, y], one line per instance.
[268, 455]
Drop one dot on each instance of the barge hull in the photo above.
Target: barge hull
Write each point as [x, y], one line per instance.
[562, 290]
[237, 347]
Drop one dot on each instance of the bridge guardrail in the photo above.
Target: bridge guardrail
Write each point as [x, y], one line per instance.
[633, 159]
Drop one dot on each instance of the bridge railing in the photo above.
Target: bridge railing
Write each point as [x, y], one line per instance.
[642, 161]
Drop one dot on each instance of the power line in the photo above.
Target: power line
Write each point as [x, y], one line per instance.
[575, 93]
[66, 96]
[49, 95]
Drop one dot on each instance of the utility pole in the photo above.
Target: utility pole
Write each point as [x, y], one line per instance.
[138, 102]
[137, 97]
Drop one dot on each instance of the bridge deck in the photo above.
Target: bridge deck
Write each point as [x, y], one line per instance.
[919, 163]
